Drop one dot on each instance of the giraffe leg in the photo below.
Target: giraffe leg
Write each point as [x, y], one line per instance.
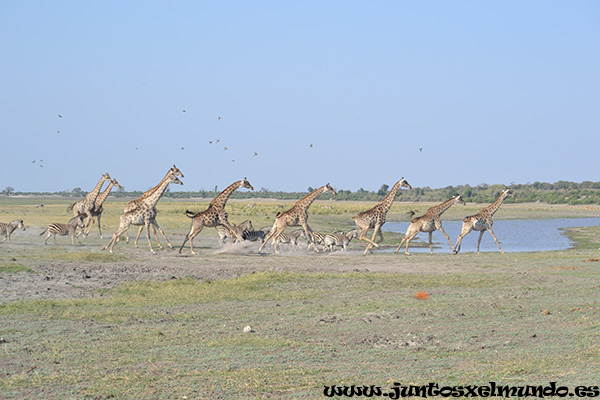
[232, 232]
[267, 238]
[447, 237]
[90, 223]
[148, 236]
[155, 235]
[308, 231]
[431, 242]
[99, 227]
[400, 245]
[466, 229]
[479, 240]
[138, 236]
[194, 230]
[377, 227]
[494, 236]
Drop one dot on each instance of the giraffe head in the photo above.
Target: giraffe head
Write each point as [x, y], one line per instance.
[404, 183]
[247, 184]
[176, 171]
[106, 176]
[459, 200]
[174, 179]
[114, 182]
[329, 189]
[506, 193]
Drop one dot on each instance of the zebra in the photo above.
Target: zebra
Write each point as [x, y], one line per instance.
[65, 229]
[291, 237]
[260, 234]
[7, 229]
[240, 229]
[339, 239]
[317, 238]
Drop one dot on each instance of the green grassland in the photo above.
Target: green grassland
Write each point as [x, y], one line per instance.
[515, 318]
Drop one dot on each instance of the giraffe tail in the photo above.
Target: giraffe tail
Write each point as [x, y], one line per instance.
[190, 214]
[70, 208]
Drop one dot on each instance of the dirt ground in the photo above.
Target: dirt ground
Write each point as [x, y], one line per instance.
[74, 271]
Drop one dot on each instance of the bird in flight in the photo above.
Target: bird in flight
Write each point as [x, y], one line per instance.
[59, 116]
[210, 142]
[421, 149]
[310, 145]
[217, 140]
[232, 160]
[255, 154]
[225, 149]
[183, 111]
[57, 131]
[182, 148]
[218, 118]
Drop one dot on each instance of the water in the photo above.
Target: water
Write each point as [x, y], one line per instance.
[515, 235]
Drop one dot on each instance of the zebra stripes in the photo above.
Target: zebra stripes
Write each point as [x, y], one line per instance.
[339, 239]
[240, 229]
[260, 234]
[7, 228]
[317, 238]
[291, 238]
[56, 228]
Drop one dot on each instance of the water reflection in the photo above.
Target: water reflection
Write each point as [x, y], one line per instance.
[514, 235]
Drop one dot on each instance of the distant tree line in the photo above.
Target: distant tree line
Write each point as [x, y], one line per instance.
[561, 192]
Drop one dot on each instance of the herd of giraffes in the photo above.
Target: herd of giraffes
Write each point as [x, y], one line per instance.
[142, 212]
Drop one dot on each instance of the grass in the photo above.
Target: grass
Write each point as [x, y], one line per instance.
[14, 268]
[184, 337]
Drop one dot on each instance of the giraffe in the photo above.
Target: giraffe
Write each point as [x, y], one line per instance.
[482, 221]
[133, 203]
[429, 222]
[86, 205]
[296, 216]
[375, 217]
[98, 209]
[144, 214]
[214, 215]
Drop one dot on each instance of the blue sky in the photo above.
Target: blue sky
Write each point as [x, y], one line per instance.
[494, 92]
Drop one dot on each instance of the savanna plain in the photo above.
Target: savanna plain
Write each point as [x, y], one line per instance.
[80, 323]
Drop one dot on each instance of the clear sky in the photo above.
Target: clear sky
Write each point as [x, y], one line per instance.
[492, 91]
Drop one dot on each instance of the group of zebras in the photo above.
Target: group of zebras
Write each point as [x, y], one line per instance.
[327, 241]
[245, 230]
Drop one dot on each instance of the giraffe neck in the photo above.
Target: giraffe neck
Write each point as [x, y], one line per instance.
[492, 208]
[308, 200]
[102, 196]
[386, 203]
[157, 193]
[149, 192]
[94, 193]
[440, 209]
[222, 198]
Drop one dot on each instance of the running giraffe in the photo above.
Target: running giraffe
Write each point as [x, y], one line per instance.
[98, 209]
[482, 221]
[429, 222]
[214, 215]
[375, 217]
[133, 203]
[296, 216]
[144, 215]
[86, 205]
